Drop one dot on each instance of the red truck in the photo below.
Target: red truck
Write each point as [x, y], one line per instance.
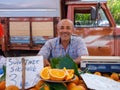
[28, 28]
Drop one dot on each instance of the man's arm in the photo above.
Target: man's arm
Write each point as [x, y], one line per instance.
[45, 52]
[78, 59]
[46, 63]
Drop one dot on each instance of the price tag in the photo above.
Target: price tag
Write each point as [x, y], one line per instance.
[95, 82]
[33, 66]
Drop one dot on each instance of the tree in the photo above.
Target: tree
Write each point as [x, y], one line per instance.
[114, 6]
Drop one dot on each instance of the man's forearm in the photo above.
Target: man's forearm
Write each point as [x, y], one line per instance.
[77, 60]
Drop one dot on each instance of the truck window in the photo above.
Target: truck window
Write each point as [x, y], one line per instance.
[83, 18]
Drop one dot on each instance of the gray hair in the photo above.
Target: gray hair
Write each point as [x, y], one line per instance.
[63, 20]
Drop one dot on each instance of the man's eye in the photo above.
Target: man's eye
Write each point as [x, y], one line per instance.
[61, 27]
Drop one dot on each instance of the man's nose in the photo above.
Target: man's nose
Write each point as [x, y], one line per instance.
[65, 30]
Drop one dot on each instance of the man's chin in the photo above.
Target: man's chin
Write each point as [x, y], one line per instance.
[65, 39]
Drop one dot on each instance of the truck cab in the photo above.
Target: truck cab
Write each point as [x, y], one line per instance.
[95, 24]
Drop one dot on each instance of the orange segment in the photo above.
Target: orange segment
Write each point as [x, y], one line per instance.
[69, 74]
[57, 74]
[44, 74]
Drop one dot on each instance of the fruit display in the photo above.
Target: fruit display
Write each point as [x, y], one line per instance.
[61, 76]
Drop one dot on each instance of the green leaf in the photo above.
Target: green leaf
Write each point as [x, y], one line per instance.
[65, 61]
[55, 62]
[4, 69]
[42, 88]
[2, 78]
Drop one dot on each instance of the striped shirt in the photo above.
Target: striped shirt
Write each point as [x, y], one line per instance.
[53, 48]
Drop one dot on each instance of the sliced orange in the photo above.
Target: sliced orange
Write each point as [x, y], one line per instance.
[70, 71]
[44, 74]
[57, 74]
[69, 74]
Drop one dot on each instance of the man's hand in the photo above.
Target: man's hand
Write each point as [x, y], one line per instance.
[46, 63]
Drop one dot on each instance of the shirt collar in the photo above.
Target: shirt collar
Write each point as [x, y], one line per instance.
[59, 40]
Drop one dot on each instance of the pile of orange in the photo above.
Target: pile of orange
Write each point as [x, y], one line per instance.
[114, 76]
[12, 87]
[48, 73]
[2, 85]
[76, 84]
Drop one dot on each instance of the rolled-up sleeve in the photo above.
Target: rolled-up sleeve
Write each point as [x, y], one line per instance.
[82, 49]
[45, 50]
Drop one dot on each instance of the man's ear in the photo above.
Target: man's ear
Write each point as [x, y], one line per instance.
[74, 29]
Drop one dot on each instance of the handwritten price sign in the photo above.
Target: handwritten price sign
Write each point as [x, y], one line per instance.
[34, 64]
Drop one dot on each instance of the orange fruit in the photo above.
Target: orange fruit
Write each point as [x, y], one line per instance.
[12, 87]
[114, 76]
[45, 87]
[39, 84]
[70, 85]
[98, 73]
[70, 71]
[118, 80]
[33, 88]
[2, 85]
[81, 81]
[78, 87]
[69, 74]
[83, 84]
[44, 74]
[57, 74]
[106, 75]
[76, 80]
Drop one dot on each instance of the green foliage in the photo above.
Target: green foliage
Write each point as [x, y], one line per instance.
[65, 61]
[114, 6]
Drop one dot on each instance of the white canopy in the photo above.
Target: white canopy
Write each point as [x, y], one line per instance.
[29, 8]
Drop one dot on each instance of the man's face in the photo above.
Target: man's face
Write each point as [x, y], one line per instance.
[65, 29]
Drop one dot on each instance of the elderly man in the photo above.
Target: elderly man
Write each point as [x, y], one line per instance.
[64, 44]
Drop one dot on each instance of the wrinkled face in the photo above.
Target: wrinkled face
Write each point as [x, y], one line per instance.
[65, 29]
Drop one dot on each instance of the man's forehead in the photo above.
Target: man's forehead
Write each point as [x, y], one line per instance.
[65, 23]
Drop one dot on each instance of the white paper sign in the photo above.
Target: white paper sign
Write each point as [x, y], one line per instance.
[96, 82]
[34, 64]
